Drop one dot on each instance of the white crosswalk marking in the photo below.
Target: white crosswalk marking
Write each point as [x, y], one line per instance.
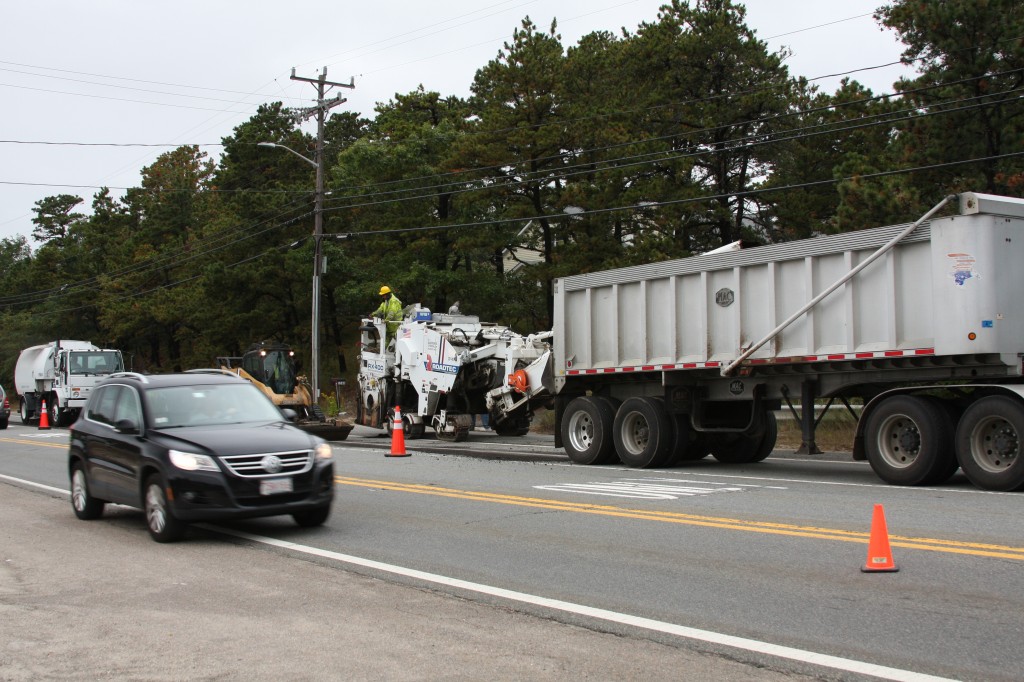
[649, 489]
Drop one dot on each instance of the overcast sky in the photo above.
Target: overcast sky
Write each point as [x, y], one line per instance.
[187, 72]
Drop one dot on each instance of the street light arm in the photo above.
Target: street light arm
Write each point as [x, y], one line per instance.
[311, 162]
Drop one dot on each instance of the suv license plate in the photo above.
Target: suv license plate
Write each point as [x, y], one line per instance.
[272, 486]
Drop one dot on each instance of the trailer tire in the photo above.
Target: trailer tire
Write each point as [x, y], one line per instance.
[988, 443]
[943, 474]
[587, 430]
[689, 445]
[746, 448]
[643, 432]
[908, 440]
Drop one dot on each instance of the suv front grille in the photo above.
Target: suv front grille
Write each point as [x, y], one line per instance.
[255, 466]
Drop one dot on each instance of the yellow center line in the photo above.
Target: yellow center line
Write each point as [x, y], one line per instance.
[25, 441]
[928, 544]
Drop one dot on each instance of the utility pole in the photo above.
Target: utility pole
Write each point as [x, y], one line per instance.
[320, 111]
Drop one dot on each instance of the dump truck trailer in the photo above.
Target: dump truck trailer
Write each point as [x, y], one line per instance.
[920, 325]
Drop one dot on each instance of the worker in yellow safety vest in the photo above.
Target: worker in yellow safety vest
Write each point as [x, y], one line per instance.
[390, 311]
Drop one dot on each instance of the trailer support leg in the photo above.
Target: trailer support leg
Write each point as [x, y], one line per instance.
[808, 392]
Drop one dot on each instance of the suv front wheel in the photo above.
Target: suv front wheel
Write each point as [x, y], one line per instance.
[162, 524]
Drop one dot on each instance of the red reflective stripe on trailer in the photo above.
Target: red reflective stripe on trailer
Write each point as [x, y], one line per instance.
[893, 354]
[628, 369]
[924, 351]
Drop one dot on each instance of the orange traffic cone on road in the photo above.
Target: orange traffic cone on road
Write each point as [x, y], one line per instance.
[397, 436]
[879, 553]
[44, 418]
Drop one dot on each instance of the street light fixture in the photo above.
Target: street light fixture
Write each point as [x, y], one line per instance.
[318, 233]
[308, 160]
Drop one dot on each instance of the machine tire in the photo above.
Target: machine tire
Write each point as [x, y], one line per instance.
[587, 430]
[86, 506]
[311, 518]
[160, 520]
[517, 426]
[988, 443]
[908, 440]
[643, 432]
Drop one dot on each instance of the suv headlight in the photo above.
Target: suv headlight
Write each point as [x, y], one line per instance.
[323, 451]
[192, 461]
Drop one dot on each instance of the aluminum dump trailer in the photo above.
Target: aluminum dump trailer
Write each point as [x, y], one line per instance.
[923, 323]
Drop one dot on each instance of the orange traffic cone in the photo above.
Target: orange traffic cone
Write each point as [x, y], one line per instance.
[879, 553]
[398, 436]
[44, 418]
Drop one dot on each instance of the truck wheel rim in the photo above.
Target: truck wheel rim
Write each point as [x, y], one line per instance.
[899, 441]
[995, 444]
[78, 490]
[636, 433]
[581, 431]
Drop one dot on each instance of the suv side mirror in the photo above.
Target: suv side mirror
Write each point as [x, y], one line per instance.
[289, 414]
[126, 426]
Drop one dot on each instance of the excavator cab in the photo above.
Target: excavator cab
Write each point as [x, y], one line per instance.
[274, 365]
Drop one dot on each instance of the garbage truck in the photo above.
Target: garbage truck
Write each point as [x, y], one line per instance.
[61, 374]
[920, 326]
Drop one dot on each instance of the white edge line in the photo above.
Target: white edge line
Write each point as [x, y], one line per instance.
[22, 481]
[708, 636]
[601, 614]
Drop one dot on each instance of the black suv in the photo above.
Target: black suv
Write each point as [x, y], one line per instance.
[199, 446]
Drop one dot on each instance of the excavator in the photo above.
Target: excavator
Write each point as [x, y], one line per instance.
[273, 368]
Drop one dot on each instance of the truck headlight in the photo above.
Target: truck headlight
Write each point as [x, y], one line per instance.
[192, 461]
[323, 451]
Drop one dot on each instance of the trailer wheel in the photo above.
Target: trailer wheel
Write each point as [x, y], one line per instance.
[587, 430]
[742, 448]
[908, 440]
[643, 433]
[988, 443]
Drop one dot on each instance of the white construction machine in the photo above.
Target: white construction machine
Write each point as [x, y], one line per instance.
[446, 369]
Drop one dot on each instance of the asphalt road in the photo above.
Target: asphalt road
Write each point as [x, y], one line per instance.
[707, 572]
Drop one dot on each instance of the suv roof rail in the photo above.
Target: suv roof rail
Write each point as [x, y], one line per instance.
[133, 375]
[211, 370]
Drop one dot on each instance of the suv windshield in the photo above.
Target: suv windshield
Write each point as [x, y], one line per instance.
[206, 405]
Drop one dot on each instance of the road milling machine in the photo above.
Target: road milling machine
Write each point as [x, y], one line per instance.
[444, 370]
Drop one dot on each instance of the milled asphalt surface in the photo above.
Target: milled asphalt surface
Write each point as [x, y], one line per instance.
[100, 600]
